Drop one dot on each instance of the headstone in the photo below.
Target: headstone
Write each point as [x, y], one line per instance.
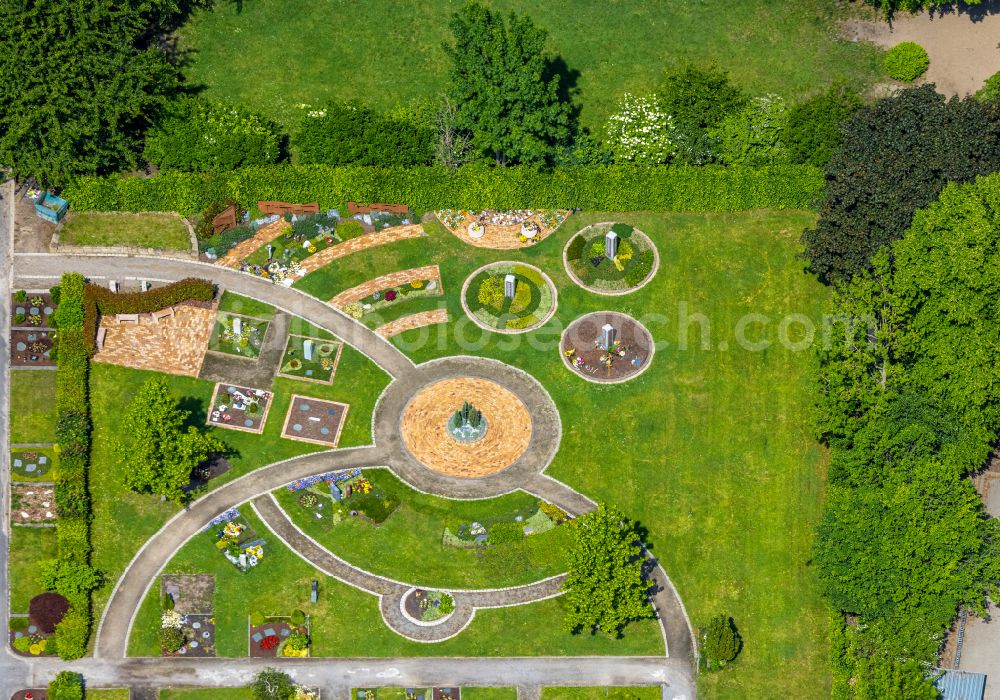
[144, 285]
[270, 251]
[307, 349]
[608, 336]
[237, 326]
[611, 245]
[315, 591]
[113, 286]
[509, 286]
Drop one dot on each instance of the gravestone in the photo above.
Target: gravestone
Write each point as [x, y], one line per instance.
[509, 286]
[608, 335]
[307, 349]
[314, 596]
[270, 251]
[237, 326]
[611, 245]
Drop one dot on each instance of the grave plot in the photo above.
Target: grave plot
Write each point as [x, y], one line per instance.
[310, 359]
[31, 309]
[278, 636]
[31, 348]
[238, 335]
[237, 540]
[32, 504]
[610, 258]
[188, 603]
[428, 606]
[239, 408]
[31, 465]
[314, 420]
[607, 347]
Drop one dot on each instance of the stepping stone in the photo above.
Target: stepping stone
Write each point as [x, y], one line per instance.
[257, 636]
[47, 310]
[297, 427]
[324, 431]
[35, 311]
[196, 625]
[269, 632]
[303, 407]
[21, 347]
[30, 468]
[285, 632]
[248, 423]
[32, 337]
[19, 310]
[18, 635]
[18, 463]
[32, 629]
[43, 460]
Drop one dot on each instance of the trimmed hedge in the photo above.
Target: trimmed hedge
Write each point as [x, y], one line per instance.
[597, 188]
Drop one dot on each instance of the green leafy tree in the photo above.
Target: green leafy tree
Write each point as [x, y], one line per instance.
[67, 578]
[504, 88]
[159, 454]
[81, 83]
[698, 100]
[721, 642]
[67, 685]
[813, 129]
[896, 157]
[605, 587]
[202, 135]
[350, 134]
[272, 684]
[754, 135]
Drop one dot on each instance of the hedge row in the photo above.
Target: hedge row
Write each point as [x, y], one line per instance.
[73, 440]
[597, 188]
[99, 300]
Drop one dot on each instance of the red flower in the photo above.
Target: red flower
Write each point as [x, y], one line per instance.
[390, 295]
[269, 642]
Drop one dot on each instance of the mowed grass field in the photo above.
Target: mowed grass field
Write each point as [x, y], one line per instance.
[710, 449]
[275, 54]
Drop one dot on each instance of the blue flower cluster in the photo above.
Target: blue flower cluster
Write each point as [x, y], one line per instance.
[335, 477]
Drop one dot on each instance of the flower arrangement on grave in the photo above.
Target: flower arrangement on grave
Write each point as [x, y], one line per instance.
[254, 551]
[467, 424]
[362, 485]
[36, 301]
[326, 363]
[390, 295]
[232, 530]
[308, 500]
[269, 642]
[304, 693]
[35, 320]
[451, 218]
[417, 284]
[171, 619]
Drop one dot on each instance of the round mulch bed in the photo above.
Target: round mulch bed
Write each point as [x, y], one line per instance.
[424, 427]
[584, 354]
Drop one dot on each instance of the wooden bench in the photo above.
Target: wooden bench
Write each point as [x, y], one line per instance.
[127, 318]
[101, 334]
[287, 208]
[162, 313]
[355, 208]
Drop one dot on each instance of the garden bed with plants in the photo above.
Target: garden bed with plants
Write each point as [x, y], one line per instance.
[32, 309]
[278, 636]
[428, 606]
[239, 408]
[631, 267]
[33, 635]
[370, 307]
[486, 301]
[319, 364]
[584, 353]
[309, 235]
[242, 339]
[32, 348]
[340, 495]
[237, 541]
[32, 504]
[34, 464]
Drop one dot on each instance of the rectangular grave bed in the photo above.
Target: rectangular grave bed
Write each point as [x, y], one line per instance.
[35, 310]
[239, 408]
[32, 464]
[237, 335]
[199, 635]
[31, 348]
[32, 503]
[310, 359]
[314, 420]
[266, 640]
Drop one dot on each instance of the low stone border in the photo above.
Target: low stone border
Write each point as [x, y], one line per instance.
[510, 331]
[55, 246]
[593, 378]
[610, 292]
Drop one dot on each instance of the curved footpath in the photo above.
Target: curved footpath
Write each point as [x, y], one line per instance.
[525, 474]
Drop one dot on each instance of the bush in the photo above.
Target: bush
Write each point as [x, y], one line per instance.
[47, 610]
[298, 618]
[491, 293]
[575, 249]
[640, 131]
[297, 641]
[346, 134]
[201, 135]
[18, 624]
[222, 243]
[755, 134]
[598, 188]
[20, 296]
[22, 644]
[256, 618]
[171, 639]
[74, 631]
[447, 605]
[640, 269]
[168, 602]
[272, 684]
[812, 132]
[71, 498]
[698, 101]
[720, 641]
[349, 229]
[73, 537]
[505, 533]
[906, 61]
[56, 294]
[623, 230]
[66, 686]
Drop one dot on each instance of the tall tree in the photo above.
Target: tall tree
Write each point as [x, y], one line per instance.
[272, 684]
[605, 588]
[81, 82]
[159, 454]
[504, 87]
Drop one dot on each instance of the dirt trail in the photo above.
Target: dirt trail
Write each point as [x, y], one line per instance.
[962, 45]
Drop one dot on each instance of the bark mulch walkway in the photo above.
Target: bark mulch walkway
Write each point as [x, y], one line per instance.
[411, 321]
[393, 279]
[425, 420]
[264, 235]
[175, 345]
[499, 237]
[369, 240]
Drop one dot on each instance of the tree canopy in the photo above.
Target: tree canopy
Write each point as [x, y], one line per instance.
[605, 587]
[81, 82]
[159, 453]
[505, 88]
[272, 684]
[896, 156]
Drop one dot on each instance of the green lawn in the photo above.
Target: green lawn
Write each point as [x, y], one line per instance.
[269, 54]
[346, 621]
[408, 546]
[358, 382]
[148, 230]
[489, 693]
[107, 694]
[614, 693]
[206, 694]
[710, 449]
[246, 306]
[28, 546]
[467, 693]
[32, 406]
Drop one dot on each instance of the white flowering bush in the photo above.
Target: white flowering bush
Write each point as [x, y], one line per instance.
[640, 131]
[755, 134]
[171, 619]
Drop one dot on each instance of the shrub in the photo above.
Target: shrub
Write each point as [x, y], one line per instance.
[297, 641]
[906, 61]
[19, 318]
[990, 91]
[698, 100]
[47, 610]
[447, 605]
[256, 618]
[298, 618]
[18, 624]
[66, 686]
[20, 296]
[812, 132]
[349, 228]
[555, 513]
[272, 684]
[201, 135]
[22, 644]
[204, 228]
[306, 500]
[505, 533]
[755, 134]
[223, 242]
[171, 639]
[73, 537]
[73, 632]
[168, 602]
[640, 131]
[56, 294]
[720, 641]
[71, 498]
[344, 134]
[640, 269]
[623, 230]
[490, 293]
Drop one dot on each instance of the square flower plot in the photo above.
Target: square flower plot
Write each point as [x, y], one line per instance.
[314, 420]
[239, 408]
[310, 359]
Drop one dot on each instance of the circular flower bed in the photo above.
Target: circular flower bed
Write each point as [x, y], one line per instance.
[486, 300]
[631, 267]
[585, 352]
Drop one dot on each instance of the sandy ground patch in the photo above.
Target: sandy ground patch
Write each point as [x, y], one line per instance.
[425, 420]
[962, 46]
